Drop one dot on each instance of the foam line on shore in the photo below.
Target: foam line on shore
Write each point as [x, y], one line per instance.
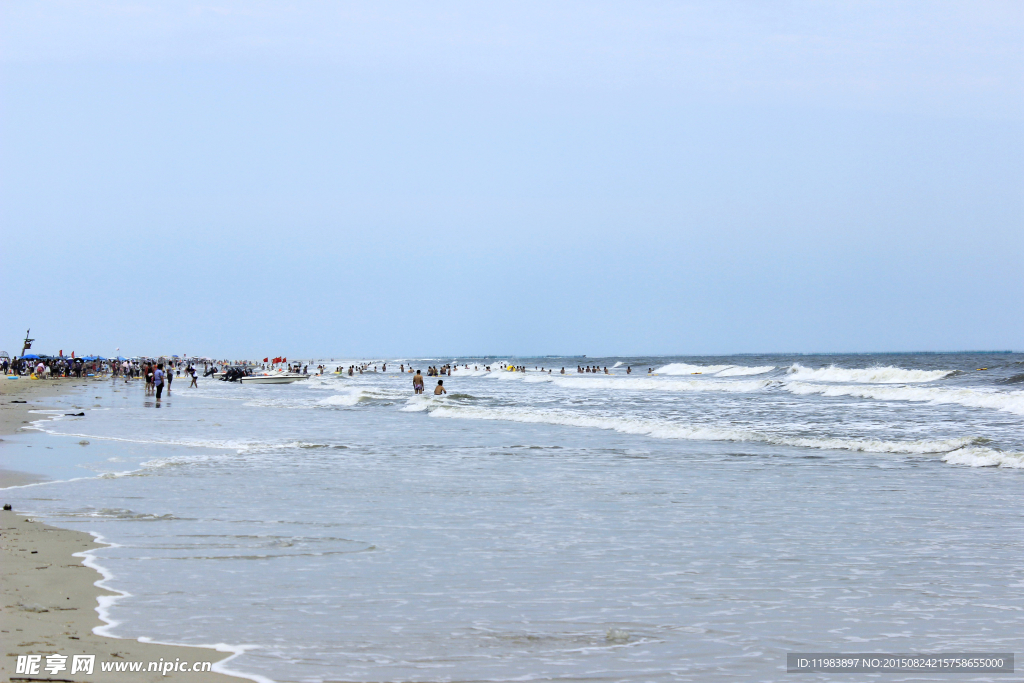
[51, 481]
[105, 603]
[219, 667]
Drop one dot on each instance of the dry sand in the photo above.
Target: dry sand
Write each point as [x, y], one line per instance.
[50, 598]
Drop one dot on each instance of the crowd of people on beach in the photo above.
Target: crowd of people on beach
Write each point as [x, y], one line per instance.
[159, 374]
[60, 367]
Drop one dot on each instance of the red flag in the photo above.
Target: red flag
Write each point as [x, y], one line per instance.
[72, 354]
[265, 360]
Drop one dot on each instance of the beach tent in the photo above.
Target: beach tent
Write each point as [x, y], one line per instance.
[3, 354]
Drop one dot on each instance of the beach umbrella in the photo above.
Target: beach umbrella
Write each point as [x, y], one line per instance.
[30, 356]
[120, 358]
[3, 354]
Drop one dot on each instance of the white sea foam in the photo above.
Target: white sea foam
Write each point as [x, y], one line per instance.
[1007, 401]
[687, 369]
[237, 445]
[106, 603]
[617, 364]
[462, 372]
[663, 429]
[978, 456]
[876, 375]
[349, 398]
[419, 402]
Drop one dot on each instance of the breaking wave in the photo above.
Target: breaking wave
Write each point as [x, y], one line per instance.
[643, 384]
[740, 370]
[350, 398]
[695, 432]
[977, 456]
[717, 370]
[876, 375]
[1010, 401]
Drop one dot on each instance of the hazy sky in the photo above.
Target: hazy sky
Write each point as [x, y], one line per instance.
[405, 179]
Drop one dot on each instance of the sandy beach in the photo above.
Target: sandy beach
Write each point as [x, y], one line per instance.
[49, 607]
[49, 596]
[14, 414]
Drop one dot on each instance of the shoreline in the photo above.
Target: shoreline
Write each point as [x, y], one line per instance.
[18, 397]
[42, 564]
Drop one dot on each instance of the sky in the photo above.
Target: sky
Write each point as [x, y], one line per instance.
[397, 179]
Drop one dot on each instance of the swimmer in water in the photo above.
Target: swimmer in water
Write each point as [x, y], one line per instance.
[439, 389]
[417, 382]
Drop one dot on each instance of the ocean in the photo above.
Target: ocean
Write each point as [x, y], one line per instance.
[692, 524]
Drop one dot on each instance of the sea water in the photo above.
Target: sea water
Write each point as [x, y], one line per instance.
[692, 524]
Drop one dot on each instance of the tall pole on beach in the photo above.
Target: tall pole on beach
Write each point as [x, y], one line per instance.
[28, 342]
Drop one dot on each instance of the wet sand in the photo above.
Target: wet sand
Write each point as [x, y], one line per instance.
[49, 607]
[50, 598]
[35, 392]
[17, 398]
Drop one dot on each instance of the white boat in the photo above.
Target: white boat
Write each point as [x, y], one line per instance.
[273, 378]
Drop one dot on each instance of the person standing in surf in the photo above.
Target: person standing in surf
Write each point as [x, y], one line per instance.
[417, 383]
[158, 380]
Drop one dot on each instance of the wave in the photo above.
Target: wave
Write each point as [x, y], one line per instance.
[419, 402]
[241, 447]
[644, 384]
[675, 430]
[876, 375]
[687, 369]
[716, 370]
[976, 456]
[1007, 401]
[740, 370]
[350, 398]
